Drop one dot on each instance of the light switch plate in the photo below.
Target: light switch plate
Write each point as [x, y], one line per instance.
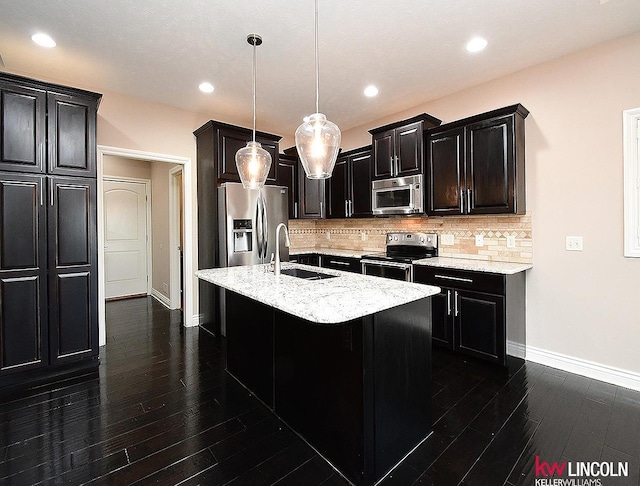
[479, 240]
[573, 243]
[511, 241]
[447, 240]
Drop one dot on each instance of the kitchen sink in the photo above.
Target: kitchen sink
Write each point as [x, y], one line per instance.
[305, 274]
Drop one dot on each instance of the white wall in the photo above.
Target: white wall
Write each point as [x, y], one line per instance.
[580, 304]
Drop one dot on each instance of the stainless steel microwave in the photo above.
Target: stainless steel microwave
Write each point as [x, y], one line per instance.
[400, 195]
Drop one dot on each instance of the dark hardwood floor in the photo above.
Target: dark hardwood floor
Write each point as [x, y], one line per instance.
[162, 410]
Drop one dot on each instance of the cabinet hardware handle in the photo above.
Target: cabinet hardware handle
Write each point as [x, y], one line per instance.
[346, 208]
[455, 304]
[448, 302]
[41, 192]
[295, 209]
[468, 201]
[350, 208]
[42, 155]
[457, 279]
[51, 201]
[462, 201]
[345, 264]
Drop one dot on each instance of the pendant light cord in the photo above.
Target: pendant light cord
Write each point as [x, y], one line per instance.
[254, 88]
[317, 63]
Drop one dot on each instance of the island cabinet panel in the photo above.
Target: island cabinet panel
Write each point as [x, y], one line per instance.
[250, 337]
[359, 392]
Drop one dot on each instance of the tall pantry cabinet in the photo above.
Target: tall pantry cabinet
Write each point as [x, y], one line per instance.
[48, 230]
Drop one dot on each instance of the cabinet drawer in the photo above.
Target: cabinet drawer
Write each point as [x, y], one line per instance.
[347, 264]
[461, 279]
[306, 259]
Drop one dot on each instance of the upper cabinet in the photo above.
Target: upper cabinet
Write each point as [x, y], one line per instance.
[41, 122]
[398, 149]
[476, 165]
[218, 142]
[349, 188]
[288, 177]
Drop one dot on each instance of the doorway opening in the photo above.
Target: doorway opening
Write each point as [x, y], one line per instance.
[170, 281]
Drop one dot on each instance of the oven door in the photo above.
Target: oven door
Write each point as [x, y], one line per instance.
[394, 270]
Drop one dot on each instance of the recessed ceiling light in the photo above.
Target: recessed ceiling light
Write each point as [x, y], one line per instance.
[43, 40]
[476, 44]
[206, 87]
[370, 91]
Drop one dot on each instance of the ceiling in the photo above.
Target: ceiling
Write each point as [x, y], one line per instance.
[412, 50]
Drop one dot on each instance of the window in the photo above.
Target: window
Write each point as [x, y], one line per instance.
[632, 183]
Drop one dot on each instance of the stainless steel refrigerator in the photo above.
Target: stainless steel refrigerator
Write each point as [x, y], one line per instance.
[247, 221]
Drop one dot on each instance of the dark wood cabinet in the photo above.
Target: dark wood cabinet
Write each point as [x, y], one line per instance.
[306, 259]
[312, 196]
[73, 280]
[23, 273]
[347, 264]
[48, 242]
[476, 165]
[23, 111]
[398, 149]
[349, 188]
[216, 147]
[288, 177]
[232, 139]
[476, 313]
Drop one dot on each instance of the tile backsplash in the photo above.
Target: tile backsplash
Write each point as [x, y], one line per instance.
[369, 234]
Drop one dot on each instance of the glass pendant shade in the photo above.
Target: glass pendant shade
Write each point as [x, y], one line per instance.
[318, 144]
[253, 163]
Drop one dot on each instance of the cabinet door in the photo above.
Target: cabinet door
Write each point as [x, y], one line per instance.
[22, 128]
[480, 325]
[311, 196]
[346, 264]
[445, 169]
[490, 166]
[337, 197]
[383, 154]
[72, 269]
[409, 149]
[71, 135]
[23, 271]
[288, 177]
[360, 182]
[229, 142]
[442, 318]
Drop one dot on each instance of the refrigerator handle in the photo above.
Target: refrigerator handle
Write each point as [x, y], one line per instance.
[265, 228]
[259, 227]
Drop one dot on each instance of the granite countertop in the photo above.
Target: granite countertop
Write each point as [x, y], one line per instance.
[327, 301]
[505, 268]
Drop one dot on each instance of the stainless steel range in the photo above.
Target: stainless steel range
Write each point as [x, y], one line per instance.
[402, 250]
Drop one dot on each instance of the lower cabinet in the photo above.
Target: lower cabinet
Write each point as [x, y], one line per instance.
[48, 276]
[306, 259]
[348, 264]
[476, 313]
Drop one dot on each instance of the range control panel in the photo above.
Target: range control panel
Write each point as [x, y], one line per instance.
[427, 240]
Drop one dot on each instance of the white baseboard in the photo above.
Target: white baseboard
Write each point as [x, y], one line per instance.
[195, 320]
[516, 349]
[615, 376]
[160, 297]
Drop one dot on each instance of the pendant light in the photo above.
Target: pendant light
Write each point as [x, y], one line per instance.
[318, 139]
[253, 161]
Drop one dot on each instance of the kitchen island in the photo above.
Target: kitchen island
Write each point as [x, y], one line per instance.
[344, 361]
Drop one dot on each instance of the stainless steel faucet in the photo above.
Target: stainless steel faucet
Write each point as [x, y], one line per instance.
[287, 242]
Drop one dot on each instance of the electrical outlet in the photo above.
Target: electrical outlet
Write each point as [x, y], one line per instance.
[573, 243]
[479, 240]
[447, 240]
[328, 235]
[511, 241]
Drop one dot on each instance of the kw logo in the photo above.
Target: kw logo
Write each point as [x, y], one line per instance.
[545, 469]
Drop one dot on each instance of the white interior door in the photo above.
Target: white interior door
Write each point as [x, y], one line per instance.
[125, 238]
